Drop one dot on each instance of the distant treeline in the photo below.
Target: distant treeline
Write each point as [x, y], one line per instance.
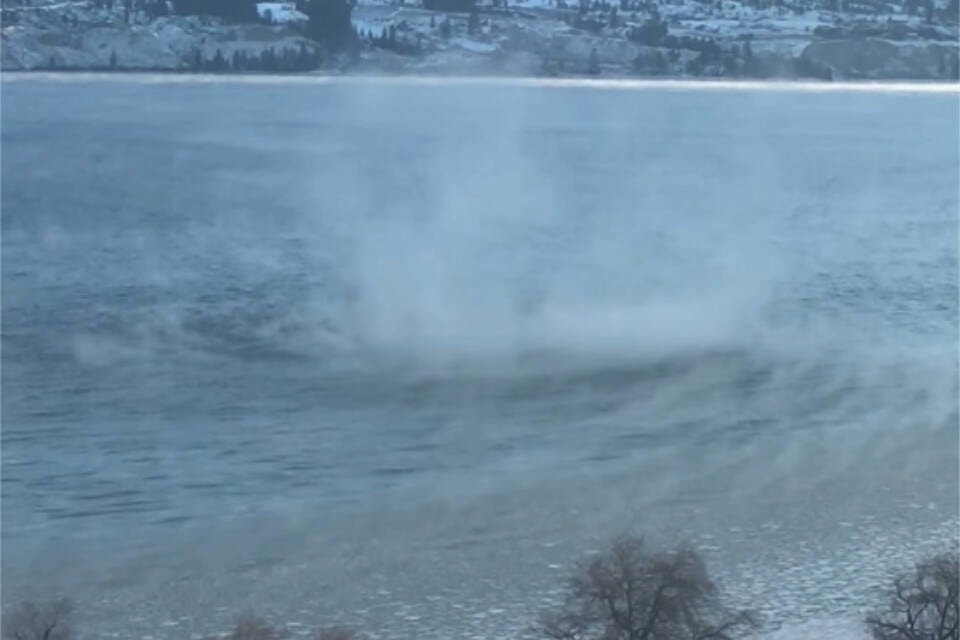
[270, 60]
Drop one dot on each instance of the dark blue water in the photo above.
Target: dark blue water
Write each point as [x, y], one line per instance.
[330, 310]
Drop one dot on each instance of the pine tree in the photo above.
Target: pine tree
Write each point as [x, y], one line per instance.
[594, 64]
[730, 65]
[303, 58]
[330, 24]
[749, 62]
[659, 62]
[219, 63]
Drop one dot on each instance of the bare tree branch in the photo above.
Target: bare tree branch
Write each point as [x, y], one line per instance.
[30, 621]
[630, 593]
[923, 605]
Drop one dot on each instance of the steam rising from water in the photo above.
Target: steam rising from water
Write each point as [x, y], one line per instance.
[524, 314]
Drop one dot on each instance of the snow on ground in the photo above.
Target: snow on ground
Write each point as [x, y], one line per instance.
[44, 35]
[474, 46]
[534, 4]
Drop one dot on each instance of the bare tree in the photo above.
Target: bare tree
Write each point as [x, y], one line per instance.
[29, 621]
[629, 593]
[335, 633]
[923, 604]
[250, 627]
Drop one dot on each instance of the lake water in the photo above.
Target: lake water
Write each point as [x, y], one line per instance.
[396, 354]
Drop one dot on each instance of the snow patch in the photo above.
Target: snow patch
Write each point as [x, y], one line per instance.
[473, 46]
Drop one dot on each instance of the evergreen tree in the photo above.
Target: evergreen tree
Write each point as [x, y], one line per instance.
[650, 33]
[659, 62]
[304, 60]
[330, 24]
[219, 63]
[593, 67]
[730, 65]
[749, 62]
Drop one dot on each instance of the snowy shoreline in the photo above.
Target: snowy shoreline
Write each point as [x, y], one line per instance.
[95, 74]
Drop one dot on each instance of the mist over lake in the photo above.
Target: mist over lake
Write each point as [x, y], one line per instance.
[396, 354]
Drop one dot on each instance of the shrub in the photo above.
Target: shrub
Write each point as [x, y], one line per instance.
[252, 628]
[29, 621]
[923, 605]
[629, 593]
[335, 633]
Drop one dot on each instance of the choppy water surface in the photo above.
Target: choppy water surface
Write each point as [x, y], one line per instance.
[394, 355]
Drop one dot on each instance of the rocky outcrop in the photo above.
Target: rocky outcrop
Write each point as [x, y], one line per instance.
[874, 59]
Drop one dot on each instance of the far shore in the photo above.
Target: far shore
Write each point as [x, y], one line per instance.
[94, 74]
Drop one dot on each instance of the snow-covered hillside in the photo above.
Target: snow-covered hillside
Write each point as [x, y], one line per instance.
[829, 39]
